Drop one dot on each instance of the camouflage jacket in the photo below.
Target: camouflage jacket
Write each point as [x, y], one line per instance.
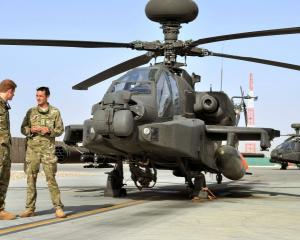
[44, 118]
[5, 137]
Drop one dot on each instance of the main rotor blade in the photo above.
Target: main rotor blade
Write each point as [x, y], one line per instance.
[263, 33]
[115, 70]
[257, 60]
[64, 43]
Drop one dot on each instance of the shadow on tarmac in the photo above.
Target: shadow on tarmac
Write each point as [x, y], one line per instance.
[75, 209]
[224, 190]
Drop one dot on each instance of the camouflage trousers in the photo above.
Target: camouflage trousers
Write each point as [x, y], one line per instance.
[34, 157]
[5, 164]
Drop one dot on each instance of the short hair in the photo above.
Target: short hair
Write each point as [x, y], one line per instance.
[7, 84]
[44, 89]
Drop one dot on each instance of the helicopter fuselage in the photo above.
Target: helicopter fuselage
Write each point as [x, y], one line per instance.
[154, 116]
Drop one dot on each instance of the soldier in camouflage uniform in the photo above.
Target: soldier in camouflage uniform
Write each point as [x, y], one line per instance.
[7, 91]
[40, 126]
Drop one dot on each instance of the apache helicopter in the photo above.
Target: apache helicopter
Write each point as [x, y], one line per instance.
[288, 151]
[153, 118]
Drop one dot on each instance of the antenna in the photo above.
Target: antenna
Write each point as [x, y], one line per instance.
[221, 88]
[221, 76]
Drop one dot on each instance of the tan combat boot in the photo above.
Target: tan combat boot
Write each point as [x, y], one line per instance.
[27, 213]
[4, 215]
[59, 213]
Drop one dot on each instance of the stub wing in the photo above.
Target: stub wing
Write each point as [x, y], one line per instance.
[233, 134]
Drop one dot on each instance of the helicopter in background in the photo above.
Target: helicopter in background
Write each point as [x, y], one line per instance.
[241, 106]
[153, 118]
[288, 151]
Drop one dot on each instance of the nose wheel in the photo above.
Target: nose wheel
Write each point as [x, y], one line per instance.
[284, 166]
[114, 184]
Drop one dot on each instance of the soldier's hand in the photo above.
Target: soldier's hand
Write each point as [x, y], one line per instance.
[44, 130]
[35, 129]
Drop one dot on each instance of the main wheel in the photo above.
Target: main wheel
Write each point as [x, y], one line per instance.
[219, 178]
[284, 165]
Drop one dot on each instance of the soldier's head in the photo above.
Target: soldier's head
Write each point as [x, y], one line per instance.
[7, 89]
[42, 95]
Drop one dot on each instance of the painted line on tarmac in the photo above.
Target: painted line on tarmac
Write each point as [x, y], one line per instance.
[27, 226]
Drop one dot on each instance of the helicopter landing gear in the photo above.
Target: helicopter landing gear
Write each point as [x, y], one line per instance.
[143, 176]
[284, 165]
[199, 190]
[219, 178]
[199, 185]
[114, 184]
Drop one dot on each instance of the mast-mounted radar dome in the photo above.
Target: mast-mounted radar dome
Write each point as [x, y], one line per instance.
[171, 11]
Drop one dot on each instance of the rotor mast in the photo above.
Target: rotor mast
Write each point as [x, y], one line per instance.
[171, 32]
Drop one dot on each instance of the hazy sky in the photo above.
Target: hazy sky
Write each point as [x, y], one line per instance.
[124, 21]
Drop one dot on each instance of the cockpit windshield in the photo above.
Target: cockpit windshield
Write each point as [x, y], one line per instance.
[135, 81]
[287, 145]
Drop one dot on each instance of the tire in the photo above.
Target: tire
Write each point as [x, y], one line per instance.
[284, 165]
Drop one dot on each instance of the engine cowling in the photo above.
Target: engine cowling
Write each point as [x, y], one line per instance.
[214, 108]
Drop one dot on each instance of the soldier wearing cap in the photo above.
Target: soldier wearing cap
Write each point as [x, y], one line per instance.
[40, 126]
[7, 92]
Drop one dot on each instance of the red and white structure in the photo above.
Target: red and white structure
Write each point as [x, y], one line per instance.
[251, 146]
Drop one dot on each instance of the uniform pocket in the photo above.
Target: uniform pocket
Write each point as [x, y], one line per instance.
[50, 168]
[32, 161]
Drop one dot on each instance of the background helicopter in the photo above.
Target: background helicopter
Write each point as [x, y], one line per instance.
[288, 151]
[241, 106]
[170, 49]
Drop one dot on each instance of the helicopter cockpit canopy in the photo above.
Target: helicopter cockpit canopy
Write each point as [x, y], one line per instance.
[290, 144]
[136, 81]
[167, 95]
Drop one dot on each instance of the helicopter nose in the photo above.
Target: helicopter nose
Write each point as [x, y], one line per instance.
[108, 121]
[89, 134]
[274, 154]
[123, 123]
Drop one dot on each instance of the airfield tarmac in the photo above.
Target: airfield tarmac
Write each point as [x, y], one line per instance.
[264, 205]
